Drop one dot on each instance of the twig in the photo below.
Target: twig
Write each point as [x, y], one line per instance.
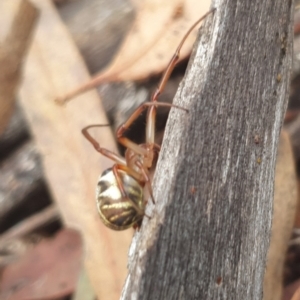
[46, 216]
[209, 232]
[17, 22]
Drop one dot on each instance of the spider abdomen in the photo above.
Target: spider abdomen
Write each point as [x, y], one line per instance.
[118, 212]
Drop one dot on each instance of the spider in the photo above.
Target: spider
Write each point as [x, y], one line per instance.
[119, 193]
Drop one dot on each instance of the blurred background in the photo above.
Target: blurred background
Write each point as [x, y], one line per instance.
[52, 244]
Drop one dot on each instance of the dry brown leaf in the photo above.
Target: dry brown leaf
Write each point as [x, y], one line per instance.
[157, 31]
[48, 271]
[291, 289]
[71, 164]
[296, 296]
[285, 201]
[153, 39]
[297, 218]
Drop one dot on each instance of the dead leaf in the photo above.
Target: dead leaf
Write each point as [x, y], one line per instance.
[71, 164]
[296, 296]
[156, 33]
[297, 218]
[285, 202]
[291, 290]
[150, 44]
[48, 271]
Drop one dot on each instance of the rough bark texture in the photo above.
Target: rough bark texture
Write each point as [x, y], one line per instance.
[209, 232]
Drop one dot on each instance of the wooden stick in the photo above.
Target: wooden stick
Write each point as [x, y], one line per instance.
[209, 232]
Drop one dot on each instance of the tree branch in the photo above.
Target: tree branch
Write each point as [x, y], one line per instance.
[209, 232]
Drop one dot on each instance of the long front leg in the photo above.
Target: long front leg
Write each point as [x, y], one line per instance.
[113, 156]
[150, 127]
[146, 179]
[131, 172]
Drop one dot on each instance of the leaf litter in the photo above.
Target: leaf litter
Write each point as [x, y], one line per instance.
[151, 42]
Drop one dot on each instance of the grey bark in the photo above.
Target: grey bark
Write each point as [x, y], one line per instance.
[209, 232]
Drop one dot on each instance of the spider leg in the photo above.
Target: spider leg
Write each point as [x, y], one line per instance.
[113, 156]
[149, 137]
[137, 226]
[150, 125]
[175, 58]
[147, 179]
[150, 129]
[101, 79]
[121, 164]
[135, 175]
